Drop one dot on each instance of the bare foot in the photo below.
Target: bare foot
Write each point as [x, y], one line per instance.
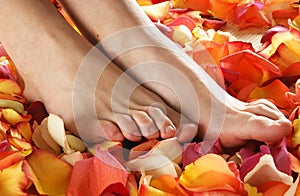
[217, 113]
[59, 67]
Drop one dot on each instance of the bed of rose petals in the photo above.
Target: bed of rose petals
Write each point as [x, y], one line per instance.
[39, 157]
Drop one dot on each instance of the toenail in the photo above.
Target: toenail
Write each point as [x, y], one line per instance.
[170, 129]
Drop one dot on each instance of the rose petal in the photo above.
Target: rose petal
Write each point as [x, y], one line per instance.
[146, 190]
[141, 149]
[281, 157]
[250, 14]
[265, 171]
[13, 180]
[252, 190]
[182, 20]
[157, 12]
[214, 173]
[17, 106]
[267, 37]
[222, 8]
[292, 70]
[10, 86]
[192, 151]
[153, 164]
[56, 130]
[49, 174]
[72, 158]
[114, 148]
[40, 142]
[42, 135]
[9, 158]
[92, 176]
[37, 111]
[12, 117]
[249, 66]
[25, 129]
[170, 148]
[274, 188]
[168, 184]
[275, 91]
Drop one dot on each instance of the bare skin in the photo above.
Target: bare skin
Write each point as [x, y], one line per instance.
[238, 121]
[48, 53]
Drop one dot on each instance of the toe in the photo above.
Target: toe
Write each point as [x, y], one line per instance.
[101, 130]
[128, 127]
[111, 131]
[262, 109]
[267, 130]
[265, 102]
[145, 124]
[162, 122]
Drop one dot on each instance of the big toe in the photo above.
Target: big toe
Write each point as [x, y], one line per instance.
[105, 130]
[268, 130]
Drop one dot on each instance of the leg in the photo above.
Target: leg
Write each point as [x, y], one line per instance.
[48, 53]
[239, 121]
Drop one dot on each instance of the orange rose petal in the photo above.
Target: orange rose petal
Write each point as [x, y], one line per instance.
[275, 91]
[288, 51]
[220, 50]
[250, 14]
[141, 149]
[168, 184]
[9, 158]
[9, 86]
[4, 126]
[157, 12]
[12, 68]
[275, 188]
[217, 50]
[99, 174]
[237, 86]
[49, 174]
[16, 140]
[146, 190]
[144, 2]
[249, 65]
[200, 5]
[222, 9]
[252, 190]
[296, 133]
[12, 117]
[209, 172]
[132, 186]
[278, 39]
[114, 148]
[292, 70]
[281, 17]
[295, 163]
[19, 144]
[182, 20]
[102, 171]
[25, 130]
[13, 180]
[236, 66]
[13, 97]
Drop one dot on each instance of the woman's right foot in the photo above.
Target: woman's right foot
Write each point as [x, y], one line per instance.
[54, 61]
